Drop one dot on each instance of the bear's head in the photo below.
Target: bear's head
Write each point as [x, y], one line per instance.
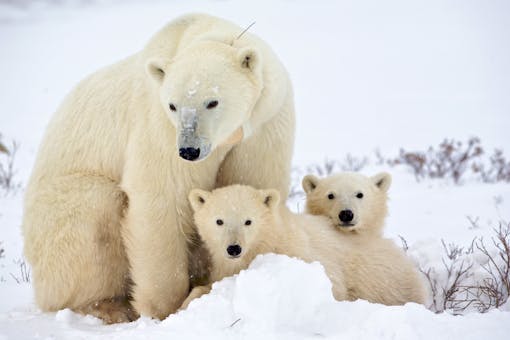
[354, 203]
[233, 221]
[208, 91]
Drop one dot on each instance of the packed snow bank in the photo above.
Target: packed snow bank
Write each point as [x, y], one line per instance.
[277, 297]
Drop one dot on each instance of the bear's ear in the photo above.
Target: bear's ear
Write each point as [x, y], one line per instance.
[309, 183]
[197, 198]
[382, 181]
[155, 69]
[271, 197]
[249, 58]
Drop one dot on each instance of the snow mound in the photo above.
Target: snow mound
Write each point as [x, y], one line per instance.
[277, 294]
[277, 297]
[286, 298]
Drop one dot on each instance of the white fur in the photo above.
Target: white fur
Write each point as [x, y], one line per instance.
[369, 268]
[369, 211]
[106, 202]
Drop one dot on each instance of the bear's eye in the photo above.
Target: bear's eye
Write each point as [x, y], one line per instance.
[219, 222]
[212, 104]
[331, 196]
[172, 107]
[248, 222]
[359, 195]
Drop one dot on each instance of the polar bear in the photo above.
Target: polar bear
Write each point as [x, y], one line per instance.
[355, 203]
[106, 214]
[239, 222]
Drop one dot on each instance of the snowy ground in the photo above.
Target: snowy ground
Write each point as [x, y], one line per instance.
[367, 75]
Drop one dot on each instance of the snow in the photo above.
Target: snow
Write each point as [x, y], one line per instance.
[367, 75]
[269, 300]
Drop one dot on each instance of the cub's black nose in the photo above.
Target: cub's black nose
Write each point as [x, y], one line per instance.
[189, 154]
[346, 216]
[234, 250]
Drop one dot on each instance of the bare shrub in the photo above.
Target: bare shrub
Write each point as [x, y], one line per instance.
[329, 167]
[495, 289]
[445, 283]
[353, 163]
[295, 183]
[295, 192]
[325, 169]
[3, 148]
[7, 172]
[444, 293]
[24, 272]
[450, 160]
[498, 169]
[405, 246]
[415, 160]
[379, 158]
[473, 221]
[463, 284]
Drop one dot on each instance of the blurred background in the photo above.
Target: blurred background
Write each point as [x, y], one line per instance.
[367, 74]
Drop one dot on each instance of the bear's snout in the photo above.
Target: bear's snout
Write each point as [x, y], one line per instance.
[346, 216]
[234, 250]
[189, 154]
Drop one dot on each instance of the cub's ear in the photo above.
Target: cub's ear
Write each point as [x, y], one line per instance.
[249, 58]
[271, 197]
[155, 68]
[197, 198]
[382, 181]
[309, 183]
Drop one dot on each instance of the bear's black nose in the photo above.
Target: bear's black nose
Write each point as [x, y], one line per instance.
[234, 250]
[346, 216]
[189, 154]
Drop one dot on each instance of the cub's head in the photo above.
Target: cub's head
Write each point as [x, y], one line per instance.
[353, 202]
[233, 220]
[208, 91]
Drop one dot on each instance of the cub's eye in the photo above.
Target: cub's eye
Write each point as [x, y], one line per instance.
[248, 222]
[359, 195]
[219, 222]
[331, 196]
[212, 104]
[172, 107]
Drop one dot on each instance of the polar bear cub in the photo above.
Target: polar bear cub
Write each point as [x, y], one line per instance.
[355, 203]
[237, 223]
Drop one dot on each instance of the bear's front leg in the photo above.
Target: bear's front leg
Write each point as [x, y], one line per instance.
[157, 253]
[195, 294]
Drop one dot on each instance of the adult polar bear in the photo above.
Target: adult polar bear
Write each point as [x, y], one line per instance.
[107, 201]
